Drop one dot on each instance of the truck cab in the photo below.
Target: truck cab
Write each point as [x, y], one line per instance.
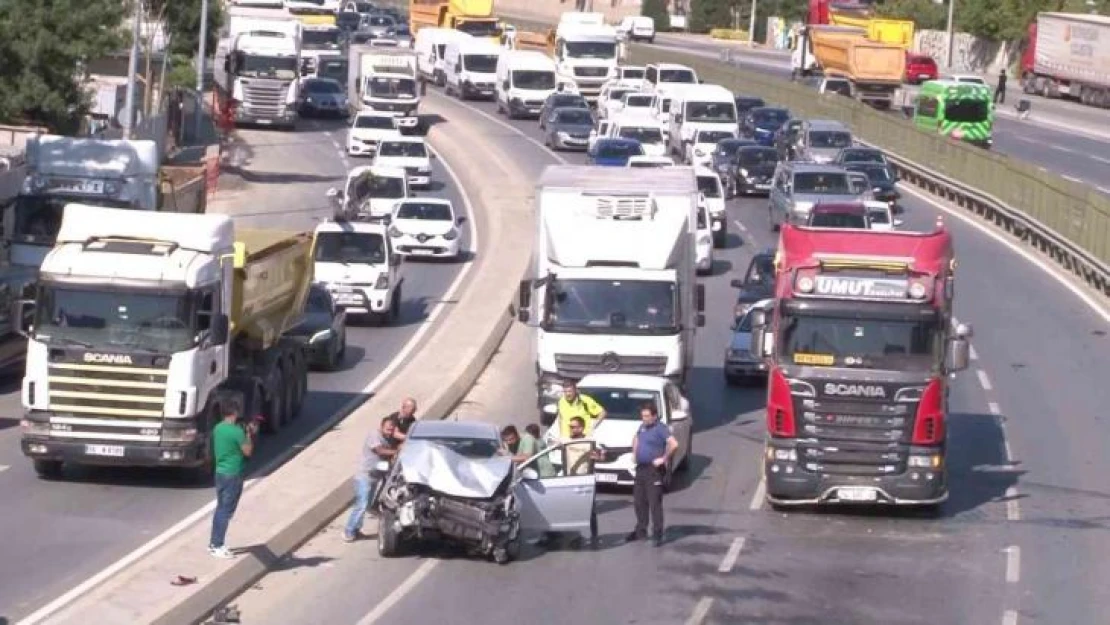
[356, 262]
[586, 53]
[257, 67]
[319, 42]
[471, 68]
[388, 84]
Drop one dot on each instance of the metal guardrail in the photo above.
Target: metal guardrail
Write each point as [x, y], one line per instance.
[1068, 222]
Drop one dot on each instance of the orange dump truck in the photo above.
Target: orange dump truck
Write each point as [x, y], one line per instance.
[875, 69]
[473, 17]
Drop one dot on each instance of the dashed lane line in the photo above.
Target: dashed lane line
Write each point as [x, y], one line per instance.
[701, 611]
[1010, 617]
[1013, 564]
[731, 555]
[971, 351]
[994, 408]
[412, 581]
[984, 380]
[759, 495]
[1013, 508]
[4, 467]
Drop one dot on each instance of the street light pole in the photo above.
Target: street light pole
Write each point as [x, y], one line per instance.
[198, 113]
[951, 33]
[128, 121]
[751, 24]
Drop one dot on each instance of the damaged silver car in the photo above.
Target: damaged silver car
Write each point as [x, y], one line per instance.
[453, 482]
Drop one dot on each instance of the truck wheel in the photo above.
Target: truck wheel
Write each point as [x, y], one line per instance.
[271, 408]
[301, 382]
[48, 469]
[289, 393]
[388, 541]
[394, 312]
[204, 474]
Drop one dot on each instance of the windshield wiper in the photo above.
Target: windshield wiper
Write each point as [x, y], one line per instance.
[66, 340]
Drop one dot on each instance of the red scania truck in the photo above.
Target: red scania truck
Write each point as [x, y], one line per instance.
[860, 343]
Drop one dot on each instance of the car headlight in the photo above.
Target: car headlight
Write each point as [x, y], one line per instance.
[309, 100]
[451, 235]
[704, 240]
[383, 281]
[743, 172]
[877, 190]
[395, 232]
[425, 169]
[320, 336]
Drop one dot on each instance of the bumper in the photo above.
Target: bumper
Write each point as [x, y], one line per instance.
[754, 186]
[244, 115]
[744, 368]
[420, 180]
[470, 90]
[358, 148]
[435, 247]
[516, 107]
[324, 111]
[570, 143]
[112, 453]
[359, 299]
[615, 473]
[789, 484]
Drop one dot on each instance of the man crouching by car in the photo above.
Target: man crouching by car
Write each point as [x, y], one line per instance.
[378, 447]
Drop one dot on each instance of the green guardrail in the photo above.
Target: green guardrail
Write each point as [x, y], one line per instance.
[1072, 210]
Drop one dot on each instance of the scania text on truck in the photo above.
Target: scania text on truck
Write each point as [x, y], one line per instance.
[861, 346]
[257, 67]
[145, 324]
[613, 287]
[1066, 58]
[386, 83]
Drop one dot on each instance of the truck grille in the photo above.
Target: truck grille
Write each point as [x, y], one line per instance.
[856, 437]
[392, 107]
[578, 365]
[265, 97]
[106, 401]
[594, 72]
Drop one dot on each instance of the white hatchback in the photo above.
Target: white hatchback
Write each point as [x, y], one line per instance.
[426, 227]
[410, 154]
[367, 130]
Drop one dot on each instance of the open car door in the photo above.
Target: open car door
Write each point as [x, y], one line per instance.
[555, 488]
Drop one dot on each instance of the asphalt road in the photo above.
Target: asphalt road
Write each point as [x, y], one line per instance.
[57, 534]
[1076, 154]
[1024, 537]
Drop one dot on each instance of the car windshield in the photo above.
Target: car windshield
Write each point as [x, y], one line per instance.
[480, 63]
[318, 300]
[536, 80]
[621, 404]
[823, 139]
[639, 101]
[862, 156]
[716, 112]
[475, 448]
[861, 343]
[678, 76]
[875, 173]
[710, 186]
[479, 28]
[967, 111]
[158, 321]
[281, 67]
[837, 220]
[562, 100]
[728, 148]
[392, 87]
[380, 20]
[617, 94]
[761, 271]
[611, 307]
[313, 39]
[350, 247]
[591, 49]
[618, 149]
[641, 134]
[403, 149]
[424, 211]
[632, 74]
[878, 216]
[713, 136]
[769, 117]
[575, 117]
[323, 86]
[821, 183]
[374, 121]
[757, 156]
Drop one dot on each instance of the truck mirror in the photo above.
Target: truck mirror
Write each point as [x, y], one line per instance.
[524, 301]
[395, 260]
[768, 344]
[24, 313]
[965, 330]
[959, 353]
[221, 327]
[736, 284]
[758, 332]
[699, 320]
[699, 298]
[333, 194]
[759, 318]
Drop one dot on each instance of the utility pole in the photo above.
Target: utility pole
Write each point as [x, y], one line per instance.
[751, 24]
[128, 122]
[201, 55]
[951, 33]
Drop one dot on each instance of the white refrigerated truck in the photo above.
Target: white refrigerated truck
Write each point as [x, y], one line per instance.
[613, 288]
[385, 80]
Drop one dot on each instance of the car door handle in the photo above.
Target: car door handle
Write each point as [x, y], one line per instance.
[582, 489]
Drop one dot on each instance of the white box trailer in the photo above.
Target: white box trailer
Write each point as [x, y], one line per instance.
[1069, 55]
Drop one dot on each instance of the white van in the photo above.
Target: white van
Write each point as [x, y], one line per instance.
[431, 47]
[700, 107]
[470, 68]
[664, 77]
[637, 28]
[524, 80]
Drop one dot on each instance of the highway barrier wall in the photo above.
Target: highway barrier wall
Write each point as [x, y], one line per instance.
[287, 507]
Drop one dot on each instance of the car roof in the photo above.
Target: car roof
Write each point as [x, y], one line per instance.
[435, 428]
[370, 227]
[623, 380]
[826, 124]
[425, 200]
[404, 139]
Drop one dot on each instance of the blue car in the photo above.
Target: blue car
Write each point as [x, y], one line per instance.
[762, 123]
[614, 152]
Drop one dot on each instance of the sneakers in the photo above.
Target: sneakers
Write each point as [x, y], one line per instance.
[349, 538]
[220, 552]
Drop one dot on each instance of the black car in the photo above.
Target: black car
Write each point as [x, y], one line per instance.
[753, 168]
[763, 122]
[322, 97]
[883, 180]
[787, 137]
[348, 21]
[560, 101]
[758, 283]
[323, 330]
[723, 156]
[855, 155]
[745, 103]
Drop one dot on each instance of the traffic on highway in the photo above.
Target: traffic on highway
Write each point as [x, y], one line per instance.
[749, 375]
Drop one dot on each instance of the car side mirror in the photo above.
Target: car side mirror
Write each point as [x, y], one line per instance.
[898, 223]
[24, 312]
[460, 220]
[699, 298]
[736, 283]
[529, 474]
[524, 301]
[221, 328]
[432, 156]
[759, 318]
[333, 194]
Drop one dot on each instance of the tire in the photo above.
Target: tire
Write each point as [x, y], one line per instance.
[205, 474]
[272, 409]
[388, 541]
[289, 391]
[49, 469]
[394, 312]
[302, 383]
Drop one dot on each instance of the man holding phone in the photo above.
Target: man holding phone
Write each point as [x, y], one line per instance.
[232, 444]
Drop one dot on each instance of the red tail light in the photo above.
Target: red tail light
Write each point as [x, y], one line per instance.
[928, 427]
[780, 406]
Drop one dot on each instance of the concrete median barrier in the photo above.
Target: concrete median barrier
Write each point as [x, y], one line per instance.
[287, 507]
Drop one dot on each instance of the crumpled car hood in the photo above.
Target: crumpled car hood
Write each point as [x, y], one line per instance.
[447, 472]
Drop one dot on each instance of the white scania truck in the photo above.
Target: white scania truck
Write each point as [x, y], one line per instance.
[613, 288]
[257, 67]
[586, 52]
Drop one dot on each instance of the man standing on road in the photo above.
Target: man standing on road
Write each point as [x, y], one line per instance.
[377, 447]
[652, 448]
[580, 462]
[574, 404]
[1000, 91]
[232, 444]
[404, 417]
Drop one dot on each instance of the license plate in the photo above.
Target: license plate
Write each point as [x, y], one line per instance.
[857, 493]
[342, 290]
[264, 122]
[606, 477]
[423, 251]
[763, 186]
[349, 300]
[115, 451]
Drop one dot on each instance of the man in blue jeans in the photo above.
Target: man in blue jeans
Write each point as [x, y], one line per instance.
[379, 446]
[232, 444]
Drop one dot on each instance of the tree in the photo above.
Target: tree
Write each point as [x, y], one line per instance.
[44, 45]
[925, 14]
[709, 14]
[657, 11]
[183, 23]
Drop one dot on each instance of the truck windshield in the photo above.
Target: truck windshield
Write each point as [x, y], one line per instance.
[320, 39]
[533, 79]
[38, 217]
[714, 112]
[283, 67]
[591, 49]
[622, 404]
[479, 28]
[712, 137]
[350, 247]
[632, 73]
[392, 88]
[480, 63]
[710, 186]
[967, 111]
[154, 321]
[813, 183]
[858, 342]
[612, 307]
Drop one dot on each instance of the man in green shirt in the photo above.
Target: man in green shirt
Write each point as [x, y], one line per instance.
[520, 447]
[232, 444]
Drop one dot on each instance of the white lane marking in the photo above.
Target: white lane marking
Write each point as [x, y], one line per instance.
[399, 593]
[1072, 178]
[510, 128]
[1010, 617]
[740, 225]
[4, 467]
[731, 555]
[984, 380]
[1013, 564]
[970, 348]
[1055, 274]
[1013, 508]
[1104, 189]
[701, 610]
[1062, 149]
[994, 408]
[1100, 159]
[99, 578]
[759, 495]
[1006, 447]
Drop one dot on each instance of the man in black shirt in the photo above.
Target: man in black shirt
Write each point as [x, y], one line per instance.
[404, 417]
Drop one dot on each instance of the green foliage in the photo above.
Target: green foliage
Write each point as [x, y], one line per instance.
[997, 20]
[182, 19]
[925, 14]
[707, 14]
[43, 44]
[657, 10]
[182, 73]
